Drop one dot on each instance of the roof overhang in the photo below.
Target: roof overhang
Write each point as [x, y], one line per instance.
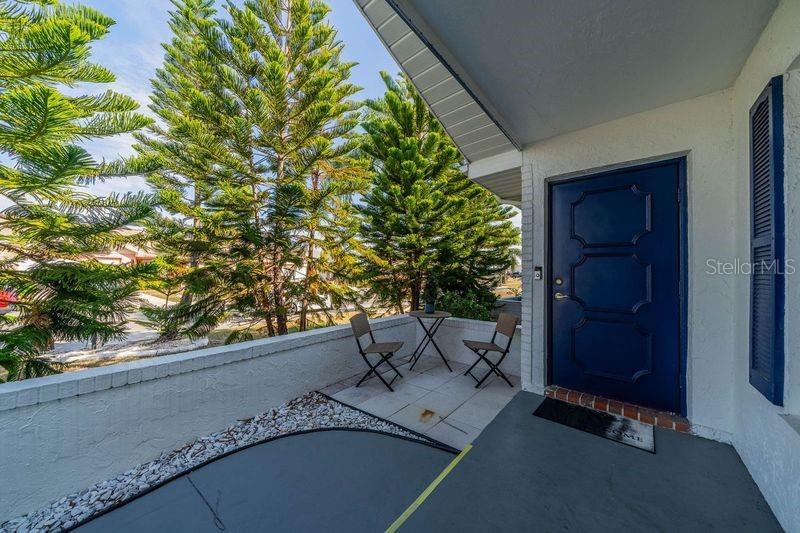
[500, 174]
[504, 75]
[464, 116]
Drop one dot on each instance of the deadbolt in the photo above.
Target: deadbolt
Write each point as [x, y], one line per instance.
[559, 281]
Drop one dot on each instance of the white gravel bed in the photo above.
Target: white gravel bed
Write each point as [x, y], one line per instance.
[308, 412]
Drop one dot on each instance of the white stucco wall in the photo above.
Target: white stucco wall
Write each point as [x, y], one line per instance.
[453, 331]
[713, 132]
[62, 433]
[768, 445]
[791, 89]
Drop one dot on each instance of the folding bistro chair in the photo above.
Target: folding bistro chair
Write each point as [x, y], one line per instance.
[385, 350]
[506, 326]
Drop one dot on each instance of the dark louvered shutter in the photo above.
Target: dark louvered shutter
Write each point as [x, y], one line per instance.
[767, 243]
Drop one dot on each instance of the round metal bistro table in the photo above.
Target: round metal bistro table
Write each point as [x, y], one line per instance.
[438, 317]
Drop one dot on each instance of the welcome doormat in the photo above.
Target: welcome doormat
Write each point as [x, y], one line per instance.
[611, 427]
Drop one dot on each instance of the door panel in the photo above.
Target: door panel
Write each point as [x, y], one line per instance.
[614, 286]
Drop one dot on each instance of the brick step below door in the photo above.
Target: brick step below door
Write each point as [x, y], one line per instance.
[634, 412]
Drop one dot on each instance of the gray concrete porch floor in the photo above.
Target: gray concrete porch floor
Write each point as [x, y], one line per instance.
[430, 399]
[321, 481]
[525, 473]
[522, 474]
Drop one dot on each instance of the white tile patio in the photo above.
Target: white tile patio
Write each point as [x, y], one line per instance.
[431, 400]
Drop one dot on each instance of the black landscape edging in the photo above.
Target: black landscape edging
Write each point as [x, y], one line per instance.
[426, 442]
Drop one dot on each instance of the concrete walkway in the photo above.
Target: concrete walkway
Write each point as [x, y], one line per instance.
[322, 481]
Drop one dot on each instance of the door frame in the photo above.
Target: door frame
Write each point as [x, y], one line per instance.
[681, 160]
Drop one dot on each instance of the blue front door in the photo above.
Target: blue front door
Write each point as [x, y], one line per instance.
[614, 287]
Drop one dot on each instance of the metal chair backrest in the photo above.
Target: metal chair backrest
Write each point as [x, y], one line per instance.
[360, 325]
[507, 326]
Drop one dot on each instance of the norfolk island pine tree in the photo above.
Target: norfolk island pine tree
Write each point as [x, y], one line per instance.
[53, 225]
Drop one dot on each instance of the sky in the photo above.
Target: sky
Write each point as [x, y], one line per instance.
[133, 51]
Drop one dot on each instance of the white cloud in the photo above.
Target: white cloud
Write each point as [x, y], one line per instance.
[120, 186]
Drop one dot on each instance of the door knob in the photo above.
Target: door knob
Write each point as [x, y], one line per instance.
[560, 296]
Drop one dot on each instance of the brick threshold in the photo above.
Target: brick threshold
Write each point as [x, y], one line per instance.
[648, 416]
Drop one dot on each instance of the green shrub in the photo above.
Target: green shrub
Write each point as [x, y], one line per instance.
[476, 305]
